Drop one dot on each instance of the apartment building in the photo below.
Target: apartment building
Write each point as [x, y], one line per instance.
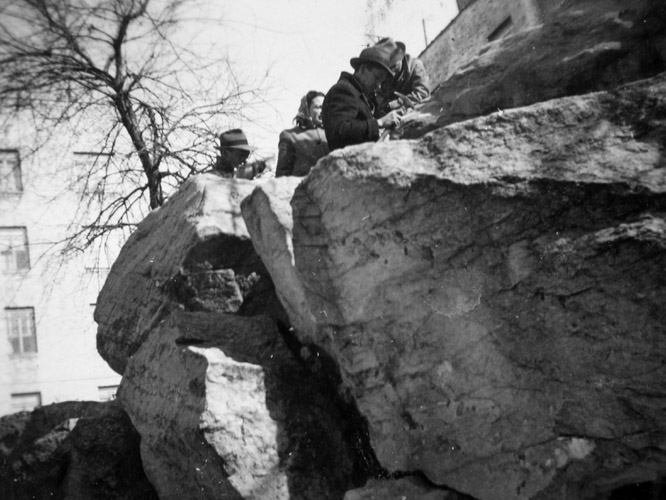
[48, 349]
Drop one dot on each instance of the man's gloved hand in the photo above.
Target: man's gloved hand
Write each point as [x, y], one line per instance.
[390, 120]
[250, 170]
[258, 166]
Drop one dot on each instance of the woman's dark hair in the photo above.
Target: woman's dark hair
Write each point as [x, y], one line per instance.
[303, 117]
[310, 96]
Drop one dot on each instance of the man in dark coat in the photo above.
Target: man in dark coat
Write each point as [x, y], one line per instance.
[409, 79]
[347, 112]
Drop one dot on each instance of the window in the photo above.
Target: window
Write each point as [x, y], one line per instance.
[21, 329]
[503, 29]
[107, 392]
[14, 255]
[10, 172]
[94, 171]
[105, 176]
[26, 401]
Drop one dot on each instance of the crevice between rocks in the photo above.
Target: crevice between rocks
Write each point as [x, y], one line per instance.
[326, 373]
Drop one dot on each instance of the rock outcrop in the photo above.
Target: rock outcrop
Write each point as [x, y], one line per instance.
[493, 293]
[473, 311]
[173, 259]
[226, 401]
[408, 488]
[74, 450]
[226, 410]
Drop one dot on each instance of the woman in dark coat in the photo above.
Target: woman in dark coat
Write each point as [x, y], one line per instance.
[300, 147]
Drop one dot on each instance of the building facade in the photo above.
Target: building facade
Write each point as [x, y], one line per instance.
[478, 23]
[48, 349]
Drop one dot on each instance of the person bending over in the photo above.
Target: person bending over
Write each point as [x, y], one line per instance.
[347, 112]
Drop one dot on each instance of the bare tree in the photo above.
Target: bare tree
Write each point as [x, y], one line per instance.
[122, 64]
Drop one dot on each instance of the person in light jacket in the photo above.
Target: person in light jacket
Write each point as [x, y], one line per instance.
[409, 79]
[300, 147]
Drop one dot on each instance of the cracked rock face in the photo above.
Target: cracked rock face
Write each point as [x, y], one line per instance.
[493, 293]
[225, 411]
[212, 378]
[194, 253]
[409, 487]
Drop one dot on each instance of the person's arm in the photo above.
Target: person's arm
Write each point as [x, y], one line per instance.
[341, 120]
[416, 89]
[286, 155]
[245, 172]
[250, 170]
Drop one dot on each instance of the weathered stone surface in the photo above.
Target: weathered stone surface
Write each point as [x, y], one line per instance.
[589, 45]
[75, 450]
[399, 489]
[268, 216]
[193, 253]
[225, 411]
[494, 293]
[489, 297]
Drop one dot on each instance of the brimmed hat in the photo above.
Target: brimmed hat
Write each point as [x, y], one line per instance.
[402, 48]
[398, 53]
[383, 53]
[235, 139]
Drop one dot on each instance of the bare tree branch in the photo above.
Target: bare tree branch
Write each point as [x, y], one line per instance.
[119, 64]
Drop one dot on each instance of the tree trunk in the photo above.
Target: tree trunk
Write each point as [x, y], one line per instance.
[129, 121]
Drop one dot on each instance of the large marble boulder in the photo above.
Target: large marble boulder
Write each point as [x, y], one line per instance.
[494, 293]
[225, 410]
[227, 401]
[193, 253]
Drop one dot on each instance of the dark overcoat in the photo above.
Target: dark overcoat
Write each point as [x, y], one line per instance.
[347, 114]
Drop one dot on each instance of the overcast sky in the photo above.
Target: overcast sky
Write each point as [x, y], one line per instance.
[305, 44]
